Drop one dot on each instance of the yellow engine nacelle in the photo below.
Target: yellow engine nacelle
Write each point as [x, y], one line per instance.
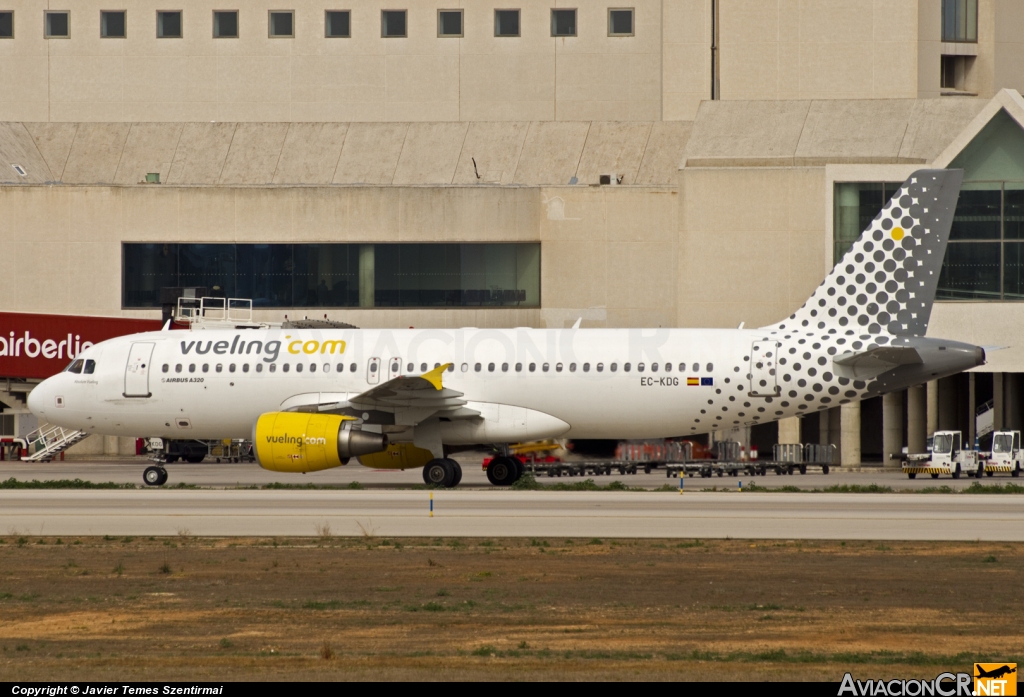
[286, 441]
[398, 456]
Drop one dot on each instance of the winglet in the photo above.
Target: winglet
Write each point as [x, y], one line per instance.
[434, 376]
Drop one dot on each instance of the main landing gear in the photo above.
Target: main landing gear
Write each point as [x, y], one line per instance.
[154, 476]
[443, 472]
[504, 470]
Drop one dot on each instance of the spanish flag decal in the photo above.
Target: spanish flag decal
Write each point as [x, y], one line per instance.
[693, 382]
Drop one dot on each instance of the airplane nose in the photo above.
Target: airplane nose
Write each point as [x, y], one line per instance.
[37, 398]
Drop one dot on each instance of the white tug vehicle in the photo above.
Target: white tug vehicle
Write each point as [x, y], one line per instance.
[1006, 455]
[947, 457]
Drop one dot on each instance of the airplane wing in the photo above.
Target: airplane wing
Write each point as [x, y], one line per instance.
[867, 364]
[413, 398]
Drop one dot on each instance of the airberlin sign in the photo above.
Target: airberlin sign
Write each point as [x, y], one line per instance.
[38, 346]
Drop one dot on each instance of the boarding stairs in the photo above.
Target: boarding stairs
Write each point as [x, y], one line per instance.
[48, 441]
[984, 420]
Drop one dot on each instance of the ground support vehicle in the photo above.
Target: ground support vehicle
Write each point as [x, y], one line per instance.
[787, 458]
[947, 457]
[1006, 455]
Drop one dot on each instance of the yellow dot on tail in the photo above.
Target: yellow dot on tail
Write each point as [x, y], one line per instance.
[897, 233]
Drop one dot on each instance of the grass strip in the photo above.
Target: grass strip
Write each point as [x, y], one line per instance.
[13, 483]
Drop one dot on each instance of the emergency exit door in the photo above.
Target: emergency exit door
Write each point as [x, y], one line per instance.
[136, 373]
[764, 379]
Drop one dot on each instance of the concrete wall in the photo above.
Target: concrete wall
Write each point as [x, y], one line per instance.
[401, 154]
[606, 251]
[754, 262]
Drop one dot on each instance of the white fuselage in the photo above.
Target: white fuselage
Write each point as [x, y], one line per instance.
[204, 383]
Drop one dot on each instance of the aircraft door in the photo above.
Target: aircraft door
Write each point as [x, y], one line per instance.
[136, 373]
[373, 371]
[764, 380]
[394, 368]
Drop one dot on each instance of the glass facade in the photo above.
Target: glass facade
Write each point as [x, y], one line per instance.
[338, 275]
[856, 205]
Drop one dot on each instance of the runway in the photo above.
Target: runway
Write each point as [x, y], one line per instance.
[497, 513]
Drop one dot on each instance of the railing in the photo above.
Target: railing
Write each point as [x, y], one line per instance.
[47, 440]
[208, 309]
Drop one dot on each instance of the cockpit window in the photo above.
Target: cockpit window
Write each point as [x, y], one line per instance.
[76, 366]
[90, 367]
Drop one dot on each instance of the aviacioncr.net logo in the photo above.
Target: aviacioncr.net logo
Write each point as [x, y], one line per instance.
[943, 685]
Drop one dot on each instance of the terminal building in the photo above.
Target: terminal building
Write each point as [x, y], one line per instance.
[670, 163]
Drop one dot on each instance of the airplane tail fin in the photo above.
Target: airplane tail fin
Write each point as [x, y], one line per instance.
[886, 283]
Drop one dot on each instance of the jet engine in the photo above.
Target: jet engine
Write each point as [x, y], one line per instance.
[286, 441]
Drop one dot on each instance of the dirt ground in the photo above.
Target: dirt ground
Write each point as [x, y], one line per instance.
[331, 608]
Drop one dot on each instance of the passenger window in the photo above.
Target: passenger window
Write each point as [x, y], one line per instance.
[231, 368]
[327, 367]
[626, 367]
[352, 368]
[285, 367]
[177, 368]
[504, 367]
[409, 368]
[519, 367]
[613, 367]
[668, 367]
[711, 366]
[298, 367]
[558, 367]
[220, 367]
[245, 367]
[490, 367]
[465, 367]
[206, 367]
[586, 367]
[682, 367]
[639, 367]
[76, 366]
[312, 367]
[545, 367]
[477, 367]
[423, 367]
[533, 367]
[259, 367]
[696, 367]
[273, 367]
[191, 367]
[654, 367]
[341, 367]
[90, 367]
[166, 368]
[600, 367]
[451, 367]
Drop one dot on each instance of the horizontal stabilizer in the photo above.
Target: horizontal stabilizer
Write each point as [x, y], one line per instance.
[862, 365]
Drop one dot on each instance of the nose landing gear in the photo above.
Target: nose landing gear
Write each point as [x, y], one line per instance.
[154, 476]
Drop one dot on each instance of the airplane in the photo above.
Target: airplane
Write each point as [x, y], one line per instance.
[312, 399]
[994, 673]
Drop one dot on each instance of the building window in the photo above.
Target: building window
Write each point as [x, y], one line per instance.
[113, 24]
[225, 24]
[506, 22]
[449, 23]
[6, 25]
[960, 21]
[338, 24]
[168, 24]
[392, 24]
[955, 71]
[58, 25]
[281, 24]
[620, 22]
[563, 22]
[338, 275]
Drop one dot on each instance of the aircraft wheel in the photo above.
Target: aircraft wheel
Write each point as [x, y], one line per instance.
[456, 472]
[152, 476]
[911, 475]
[438, 472]
[503, 471]
[956, 472]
